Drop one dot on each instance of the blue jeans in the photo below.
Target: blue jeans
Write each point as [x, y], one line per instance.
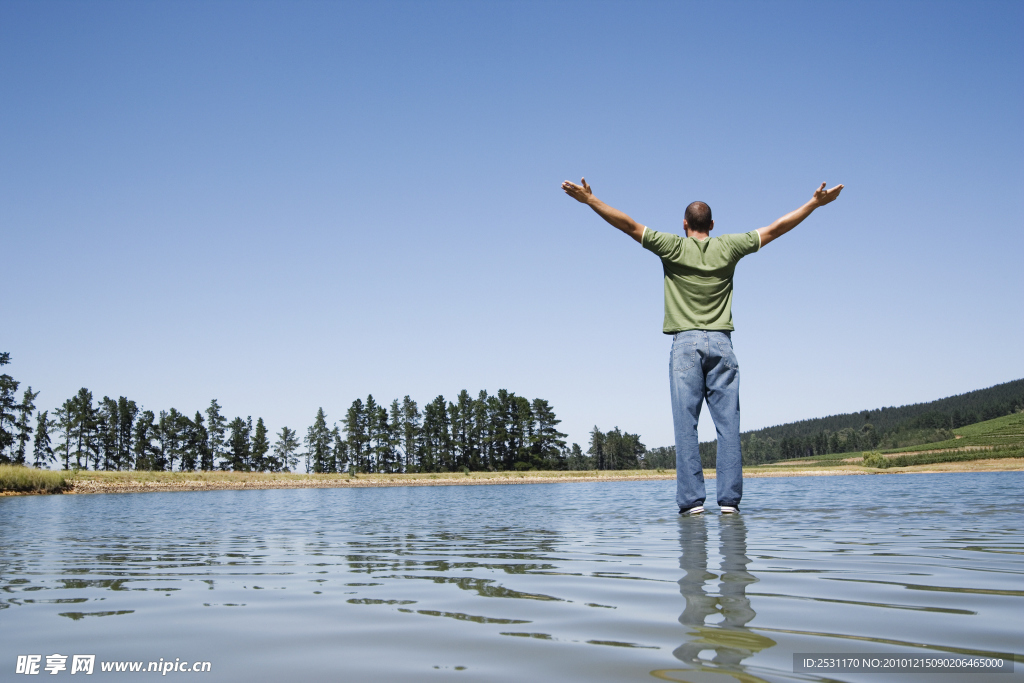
[703, 367]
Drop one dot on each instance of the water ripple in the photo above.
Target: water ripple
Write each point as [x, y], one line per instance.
[321, 583]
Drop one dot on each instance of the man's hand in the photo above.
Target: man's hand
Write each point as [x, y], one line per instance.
[582, 194]
[823, 196]
[793, 218]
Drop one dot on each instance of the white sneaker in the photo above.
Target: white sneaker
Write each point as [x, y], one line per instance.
[695, 510]
[729, 510]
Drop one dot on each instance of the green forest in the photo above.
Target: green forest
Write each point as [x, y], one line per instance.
[489, 432]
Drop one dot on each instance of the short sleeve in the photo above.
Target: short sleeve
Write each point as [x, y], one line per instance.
[664, 244]
[742, 244]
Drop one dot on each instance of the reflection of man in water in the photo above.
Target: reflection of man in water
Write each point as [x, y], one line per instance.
[698, 313]
[731, 640]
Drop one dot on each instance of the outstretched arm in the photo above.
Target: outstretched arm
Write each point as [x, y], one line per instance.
[584, 195]
[793, 218]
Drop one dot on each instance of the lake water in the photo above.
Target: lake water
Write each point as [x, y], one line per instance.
[545, 582]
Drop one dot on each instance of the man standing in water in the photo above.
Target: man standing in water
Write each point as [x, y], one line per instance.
[698, 313]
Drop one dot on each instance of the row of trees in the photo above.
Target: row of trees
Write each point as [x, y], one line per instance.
[502, 431]
[490, 432]
[615, 450]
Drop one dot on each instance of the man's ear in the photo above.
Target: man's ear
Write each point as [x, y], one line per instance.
[711, 227]
[686, 227]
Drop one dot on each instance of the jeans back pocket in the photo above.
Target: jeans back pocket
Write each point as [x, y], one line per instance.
[728, 355]
[684, 354]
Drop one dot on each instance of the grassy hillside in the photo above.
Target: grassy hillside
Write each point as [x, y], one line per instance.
[1002, 437]
[1002, 431]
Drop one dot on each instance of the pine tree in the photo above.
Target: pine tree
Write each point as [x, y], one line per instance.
[596, 450]
[371, 417]
[393, 437]
[437, 438]
[410, 435]
[239, 445]
[216, 428]
[547, 443]
[498, 414]
[127, 411]
[356, 436]
[172, 435]
[24, 425]
[184, 448]
[108, 428]
[83, 416]
[285, 449]
[65, 423]
[260, 448]
[143, 451]
[520, 431]
[8, 405]
[318, 443]
[383, 455]
[481, 433]
[340, 453]
[466, 451]
[177, 430]
[160, 456]
[188, 451]
[395, 429]
[196, 448]
[42, 451]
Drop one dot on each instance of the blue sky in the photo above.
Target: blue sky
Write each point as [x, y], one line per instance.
[290, 205]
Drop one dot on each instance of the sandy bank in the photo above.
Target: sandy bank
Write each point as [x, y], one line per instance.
[131, 482]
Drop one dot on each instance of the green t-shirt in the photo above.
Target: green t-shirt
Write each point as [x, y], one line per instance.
[698, 277]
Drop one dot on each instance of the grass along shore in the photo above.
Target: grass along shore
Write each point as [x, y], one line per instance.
[17, 479]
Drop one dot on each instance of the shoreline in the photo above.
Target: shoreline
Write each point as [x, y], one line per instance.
[142, 482]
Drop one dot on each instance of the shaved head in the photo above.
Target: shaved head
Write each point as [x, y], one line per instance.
[698, 216]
